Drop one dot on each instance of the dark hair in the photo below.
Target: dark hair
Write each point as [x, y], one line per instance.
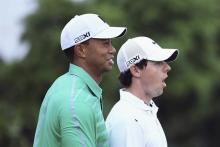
[69, 52]
[126, 77]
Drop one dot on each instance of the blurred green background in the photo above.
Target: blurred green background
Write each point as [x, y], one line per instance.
[190, 106]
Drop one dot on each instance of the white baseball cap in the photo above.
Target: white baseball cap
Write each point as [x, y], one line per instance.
[136, 49]
[83, 27]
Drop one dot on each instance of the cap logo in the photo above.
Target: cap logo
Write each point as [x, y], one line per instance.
[81, 37]
[132, 60]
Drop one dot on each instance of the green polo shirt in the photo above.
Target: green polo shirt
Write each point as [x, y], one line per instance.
[71, 113]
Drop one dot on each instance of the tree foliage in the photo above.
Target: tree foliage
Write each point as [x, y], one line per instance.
[189, 107]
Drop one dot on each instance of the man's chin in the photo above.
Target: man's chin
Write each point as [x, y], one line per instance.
[107, 69]
[158, 93]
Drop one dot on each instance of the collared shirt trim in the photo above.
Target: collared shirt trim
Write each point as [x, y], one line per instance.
[84, 76]
[137, 102]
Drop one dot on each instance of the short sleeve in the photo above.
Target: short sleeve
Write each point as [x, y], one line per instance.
[77, 125]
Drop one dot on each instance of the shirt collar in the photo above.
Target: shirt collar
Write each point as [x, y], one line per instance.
[84, 76]
[137, 102]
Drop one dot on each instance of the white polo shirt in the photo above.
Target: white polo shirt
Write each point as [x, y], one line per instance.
[132, 123]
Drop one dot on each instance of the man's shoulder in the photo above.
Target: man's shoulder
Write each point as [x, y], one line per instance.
[67, 82]
[70, 88]
[122, 111]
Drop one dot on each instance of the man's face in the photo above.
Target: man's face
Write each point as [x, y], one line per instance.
[99, 55]
[153, 78]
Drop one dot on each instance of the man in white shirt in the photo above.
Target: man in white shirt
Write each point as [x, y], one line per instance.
[133, 121]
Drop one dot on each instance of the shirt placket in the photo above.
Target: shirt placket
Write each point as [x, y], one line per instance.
[101, 103]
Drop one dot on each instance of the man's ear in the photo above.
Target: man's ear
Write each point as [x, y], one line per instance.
[80, 50]
[135, 71]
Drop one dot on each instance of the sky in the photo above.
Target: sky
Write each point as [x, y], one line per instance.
[12, 13]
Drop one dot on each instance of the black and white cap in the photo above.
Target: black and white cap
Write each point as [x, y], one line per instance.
[136, 49]
[83, 27]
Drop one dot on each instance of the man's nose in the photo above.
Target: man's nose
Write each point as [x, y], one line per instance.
[112, 50]
[167, 67]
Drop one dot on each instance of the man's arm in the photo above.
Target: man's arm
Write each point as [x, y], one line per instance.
[77, 126]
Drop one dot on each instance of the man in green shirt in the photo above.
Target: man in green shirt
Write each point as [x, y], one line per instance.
[71, 112]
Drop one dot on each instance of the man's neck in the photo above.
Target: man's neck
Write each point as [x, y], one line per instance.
[97, 77]
[139, 93]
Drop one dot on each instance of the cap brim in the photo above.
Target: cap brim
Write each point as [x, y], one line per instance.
[167, 55]
[111, 32]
